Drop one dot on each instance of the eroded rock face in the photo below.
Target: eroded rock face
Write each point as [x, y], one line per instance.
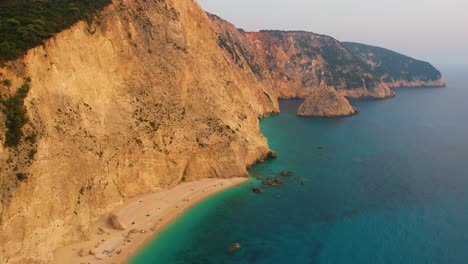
[141, 100]
[325, 101]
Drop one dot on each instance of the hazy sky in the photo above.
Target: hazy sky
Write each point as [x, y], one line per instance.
[435, 31]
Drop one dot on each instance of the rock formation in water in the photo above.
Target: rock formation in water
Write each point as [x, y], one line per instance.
[395, 69]
[150, 94]
[325, 101]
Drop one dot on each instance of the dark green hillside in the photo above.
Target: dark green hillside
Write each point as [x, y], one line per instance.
[393, 66]
[25, 24]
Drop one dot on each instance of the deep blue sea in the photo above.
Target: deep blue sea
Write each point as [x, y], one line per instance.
[390, 185]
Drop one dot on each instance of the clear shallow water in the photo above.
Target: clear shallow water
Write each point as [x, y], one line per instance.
[389, 186]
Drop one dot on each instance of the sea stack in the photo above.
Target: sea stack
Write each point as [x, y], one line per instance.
[325, 101]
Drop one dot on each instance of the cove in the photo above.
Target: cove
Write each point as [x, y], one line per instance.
[388, 185]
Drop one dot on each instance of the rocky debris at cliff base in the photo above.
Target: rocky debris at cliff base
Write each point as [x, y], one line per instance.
[256, 190]
[268, 182]
[272, 155]
[277, 182]
[115, 222]
[325, 101]
[273, 182]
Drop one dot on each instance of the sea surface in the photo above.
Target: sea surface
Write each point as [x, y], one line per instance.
[389, 185]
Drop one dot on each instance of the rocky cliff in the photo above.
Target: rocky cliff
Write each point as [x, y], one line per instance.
[241, 52]
[300, 61]
[148, 95]
[325, 101]
[293, 63]
[395, 69]
[142, 99]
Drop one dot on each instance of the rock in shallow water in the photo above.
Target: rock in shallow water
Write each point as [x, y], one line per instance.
[325, 101]
[256, 190]
[234, 247]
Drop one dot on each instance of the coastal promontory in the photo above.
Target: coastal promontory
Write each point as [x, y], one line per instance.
[395, 69]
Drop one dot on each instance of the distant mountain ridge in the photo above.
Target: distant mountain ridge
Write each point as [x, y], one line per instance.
[293, 63]
[395, 69]
[297, 61]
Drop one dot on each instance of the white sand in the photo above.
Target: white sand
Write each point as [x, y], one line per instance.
[150, 214]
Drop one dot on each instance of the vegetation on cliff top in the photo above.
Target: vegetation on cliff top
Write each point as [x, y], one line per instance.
[393, 66]
[25, 24]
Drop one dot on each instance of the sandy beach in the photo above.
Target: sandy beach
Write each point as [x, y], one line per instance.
[144, 217]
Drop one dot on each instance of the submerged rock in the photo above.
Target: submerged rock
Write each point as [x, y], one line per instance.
[273, 182]
[272, 155]
[277, 182]
[325, 101]
[286, 173]
[267, 182]
[234, 247]
[256, 190]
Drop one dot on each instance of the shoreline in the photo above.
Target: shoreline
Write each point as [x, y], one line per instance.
[144, 216]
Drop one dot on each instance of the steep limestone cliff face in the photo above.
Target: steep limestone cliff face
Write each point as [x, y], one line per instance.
[142, 99]
[325, 101]
[395, 69]
[243, 55]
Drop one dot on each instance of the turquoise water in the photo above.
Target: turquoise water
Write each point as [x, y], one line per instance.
[389, 186]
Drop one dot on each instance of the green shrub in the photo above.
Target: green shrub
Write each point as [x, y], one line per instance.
[21, 176]
[32, 153]
[32, 138]
[6, 82]
[13, 108]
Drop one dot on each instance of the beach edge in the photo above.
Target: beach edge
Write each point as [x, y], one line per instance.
[110, 246]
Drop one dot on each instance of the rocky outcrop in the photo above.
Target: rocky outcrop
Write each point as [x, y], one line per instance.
[115, 222]
[142, 99]
[395, 69]
[325, 101]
